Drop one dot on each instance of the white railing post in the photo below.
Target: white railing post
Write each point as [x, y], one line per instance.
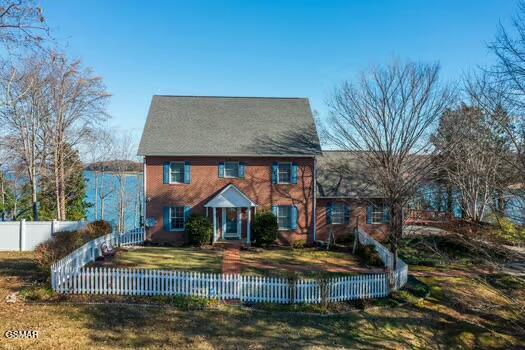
[23, 232]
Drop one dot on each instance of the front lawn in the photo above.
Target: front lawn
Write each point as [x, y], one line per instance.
[464, 311]
[167, 258]
[304, 262]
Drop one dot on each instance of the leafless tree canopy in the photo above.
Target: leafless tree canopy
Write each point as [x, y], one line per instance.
[50, 105]
[473, 151]
[22, 24]
[509, 48]
[387, 116]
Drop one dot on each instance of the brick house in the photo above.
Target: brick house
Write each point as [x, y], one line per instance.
[229, 157]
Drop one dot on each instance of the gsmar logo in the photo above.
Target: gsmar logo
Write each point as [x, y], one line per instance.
[19, 334]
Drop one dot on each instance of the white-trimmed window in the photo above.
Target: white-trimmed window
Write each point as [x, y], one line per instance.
[177, 218]
[284, 175]
[231, 169]
[284, 217]
[338, 214]
[177, 172]
[377, 214]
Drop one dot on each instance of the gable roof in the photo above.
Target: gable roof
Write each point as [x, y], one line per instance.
[342, 174]
[237, 126]
[230, 197]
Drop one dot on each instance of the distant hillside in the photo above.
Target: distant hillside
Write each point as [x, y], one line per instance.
[114, 165]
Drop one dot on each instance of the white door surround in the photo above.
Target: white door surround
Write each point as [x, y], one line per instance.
[228, 199]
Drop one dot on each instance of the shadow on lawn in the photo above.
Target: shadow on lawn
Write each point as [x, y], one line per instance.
[238, 329]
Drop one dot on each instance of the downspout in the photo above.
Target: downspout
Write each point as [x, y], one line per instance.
[315, 199]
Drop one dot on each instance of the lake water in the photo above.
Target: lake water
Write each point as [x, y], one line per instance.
[110, 183]
[133, 197]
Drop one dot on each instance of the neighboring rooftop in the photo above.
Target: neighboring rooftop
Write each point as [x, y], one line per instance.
[237, 126]
[343, 174]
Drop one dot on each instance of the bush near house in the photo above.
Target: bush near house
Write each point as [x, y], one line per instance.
[369, 255]
[265, 228]
[199, 230]
[64, 243]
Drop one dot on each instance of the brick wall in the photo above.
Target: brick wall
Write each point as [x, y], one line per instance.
[205, 184]
[357, 218]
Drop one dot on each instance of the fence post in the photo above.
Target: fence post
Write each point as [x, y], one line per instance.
[22, 238]
[55, 226]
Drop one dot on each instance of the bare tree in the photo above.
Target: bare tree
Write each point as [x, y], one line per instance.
[473, 154]
[388, 116]
[124, 150]
[22, 24]
[98, 152]
[509, 48]
[23, 115]
[77, 101]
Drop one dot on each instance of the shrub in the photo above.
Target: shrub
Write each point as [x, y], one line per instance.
[299, 243]
[37, 294]
[265, 228]
[509, 231]
[63, 243]
[96, 229]
[369, 255]
[199, 230]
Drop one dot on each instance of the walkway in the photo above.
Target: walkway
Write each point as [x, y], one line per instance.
[231, 260]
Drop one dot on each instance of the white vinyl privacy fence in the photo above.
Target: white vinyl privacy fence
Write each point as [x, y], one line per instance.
[70, 276]
[26, 235]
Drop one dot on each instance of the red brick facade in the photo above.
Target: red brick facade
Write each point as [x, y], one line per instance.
[358, 217]
[205, 184]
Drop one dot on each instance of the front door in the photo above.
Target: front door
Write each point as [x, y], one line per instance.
[230, 217]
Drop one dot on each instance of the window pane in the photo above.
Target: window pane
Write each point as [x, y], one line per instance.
[284, 217]
[285, 173]
[231, 169]
[377, 215]
[338, 214]
[177, 172]
[177, 218]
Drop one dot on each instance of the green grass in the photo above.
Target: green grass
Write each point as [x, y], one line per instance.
[169, 258]
[304, 262]
[464, 310]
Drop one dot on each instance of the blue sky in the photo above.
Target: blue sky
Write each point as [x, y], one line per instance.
[263, 48]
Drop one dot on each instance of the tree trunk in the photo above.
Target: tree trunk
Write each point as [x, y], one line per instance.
[62, 191]
[96, 195]
[3, 198]
[57, 183]
[450, 204]
[396, 228]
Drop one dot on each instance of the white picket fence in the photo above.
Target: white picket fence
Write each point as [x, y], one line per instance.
[143, 282]
[71, 277]
[90, 251]
[400, 274]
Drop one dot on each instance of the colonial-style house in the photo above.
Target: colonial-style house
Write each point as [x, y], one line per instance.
[229, 157]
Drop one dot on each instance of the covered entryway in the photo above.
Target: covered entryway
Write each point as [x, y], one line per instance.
[231, 212]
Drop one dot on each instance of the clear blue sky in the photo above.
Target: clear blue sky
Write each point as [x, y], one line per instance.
[263, 48]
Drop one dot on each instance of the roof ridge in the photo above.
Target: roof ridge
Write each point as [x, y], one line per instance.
[218, 96]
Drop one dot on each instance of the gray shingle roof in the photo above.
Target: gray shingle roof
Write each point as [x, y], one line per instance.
[194, 125]
[342, 174]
